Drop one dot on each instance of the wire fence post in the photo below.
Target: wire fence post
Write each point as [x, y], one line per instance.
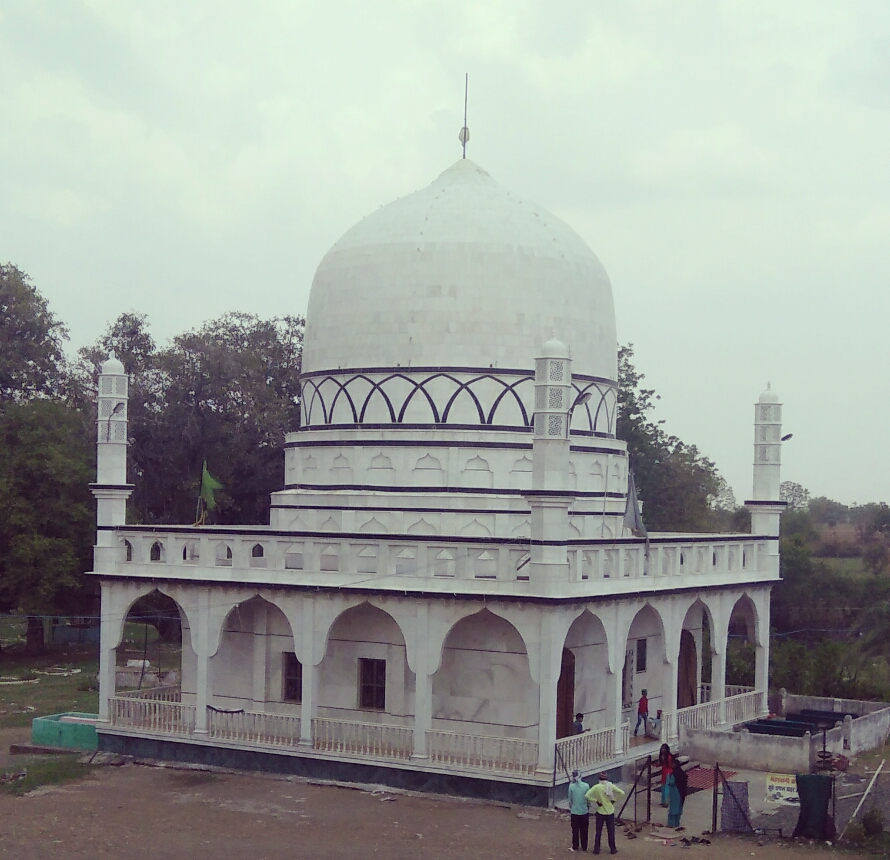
[649, 790]
[714, 800]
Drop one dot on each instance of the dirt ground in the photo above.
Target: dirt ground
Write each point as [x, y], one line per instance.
[137, 812]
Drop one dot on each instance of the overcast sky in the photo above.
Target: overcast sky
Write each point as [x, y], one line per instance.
[727, 162]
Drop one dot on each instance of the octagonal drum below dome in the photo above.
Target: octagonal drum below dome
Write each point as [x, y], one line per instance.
[462, 274]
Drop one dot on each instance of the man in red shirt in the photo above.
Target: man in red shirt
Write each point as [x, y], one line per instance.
[642, 713]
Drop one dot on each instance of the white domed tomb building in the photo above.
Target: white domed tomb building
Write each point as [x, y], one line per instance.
[447, 577]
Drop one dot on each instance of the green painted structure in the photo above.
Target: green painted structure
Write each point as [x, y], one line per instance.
[71, 730]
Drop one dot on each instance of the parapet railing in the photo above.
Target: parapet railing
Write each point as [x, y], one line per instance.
[381, 556]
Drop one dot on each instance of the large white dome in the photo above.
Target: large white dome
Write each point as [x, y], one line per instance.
[460, 274]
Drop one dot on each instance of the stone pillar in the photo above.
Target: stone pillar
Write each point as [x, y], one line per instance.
[308, 704]
[761, 675]
[260, 648]
[718, 682]
[201, 644]
[108, 637]
[670, 694]
[550, 663]
[423, 682]
[617, 707]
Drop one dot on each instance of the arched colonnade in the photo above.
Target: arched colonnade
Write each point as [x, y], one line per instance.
[483, 667]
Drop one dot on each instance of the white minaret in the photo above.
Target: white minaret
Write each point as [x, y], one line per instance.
[766, 506]
[550, 498]
[111, 488]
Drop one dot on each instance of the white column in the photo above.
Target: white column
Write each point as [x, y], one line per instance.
[423, 682]
[761, 674]
[718, 682]
[308, 704]
[201, 643]
[617, 706]
[260, 647]
[550, 663]
[108, 636]
[670, 694]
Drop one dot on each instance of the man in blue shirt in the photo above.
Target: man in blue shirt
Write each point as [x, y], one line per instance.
[578, 809]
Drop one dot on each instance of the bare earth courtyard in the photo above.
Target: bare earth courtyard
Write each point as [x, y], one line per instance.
[165, 814]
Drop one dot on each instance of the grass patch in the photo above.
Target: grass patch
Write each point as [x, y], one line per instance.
[852, 567]
[20, 703]
[46, 770]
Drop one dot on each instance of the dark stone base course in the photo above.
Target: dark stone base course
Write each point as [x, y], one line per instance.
[339, 771]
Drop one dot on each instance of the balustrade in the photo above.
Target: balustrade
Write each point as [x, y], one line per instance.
[375, 740]
[585, 750]
[152, 715]
[479, 752]
[278, 730]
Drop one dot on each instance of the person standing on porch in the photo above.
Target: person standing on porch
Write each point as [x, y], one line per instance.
[578, 725]
[604, 795]
[643, 713]
[579, 810]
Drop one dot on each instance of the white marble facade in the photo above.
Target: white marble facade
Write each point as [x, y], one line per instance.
[446, 576]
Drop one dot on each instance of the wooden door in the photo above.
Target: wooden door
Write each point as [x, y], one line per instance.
[565, 695]
[687, 671]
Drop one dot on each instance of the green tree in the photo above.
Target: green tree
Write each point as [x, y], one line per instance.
[31, 338]
[797, 497]
[679, 486]
[226, 393]
[46, 531]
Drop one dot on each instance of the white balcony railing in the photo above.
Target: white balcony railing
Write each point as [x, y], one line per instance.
[478, 752]
[580, 752]
[744, 707]
[169, 693]
[276, 730]
[373, 740]
[705, 693]
[152, 715]
[704, 716]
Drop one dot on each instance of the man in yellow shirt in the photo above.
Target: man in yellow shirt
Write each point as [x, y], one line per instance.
[603, 797]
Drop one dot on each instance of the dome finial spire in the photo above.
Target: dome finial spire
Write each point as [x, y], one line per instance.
[464, 135]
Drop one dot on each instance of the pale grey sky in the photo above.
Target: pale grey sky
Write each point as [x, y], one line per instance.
[727, 161]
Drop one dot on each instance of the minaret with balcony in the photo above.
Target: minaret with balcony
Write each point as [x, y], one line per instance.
[550, 497]
[111, 488]
[766, 505]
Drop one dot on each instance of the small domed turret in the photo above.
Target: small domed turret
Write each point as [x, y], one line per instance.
[769, 396]
[113, 366]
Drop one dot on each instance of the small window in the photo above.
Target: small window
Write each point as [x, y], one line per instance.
[641, 655]
[257, 555]
[223, 555]
[128, 551]
[157, 554]
[372, 684]
[292, 677]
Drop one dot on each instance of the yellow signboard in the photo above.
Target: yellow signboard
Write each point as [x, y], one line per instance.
[781, 788]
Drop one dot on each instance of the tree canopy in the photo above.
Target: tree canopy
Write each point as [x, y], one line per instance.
[226, 393]
[31, 356]
[680, 487]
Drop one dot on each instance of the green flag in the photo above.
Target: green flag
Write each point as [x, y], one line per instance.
[209, 485]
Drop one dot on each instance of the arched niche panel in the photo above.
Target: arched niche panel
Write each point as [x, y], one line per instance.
[360, 634]
[247, 668]
[483, 684]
